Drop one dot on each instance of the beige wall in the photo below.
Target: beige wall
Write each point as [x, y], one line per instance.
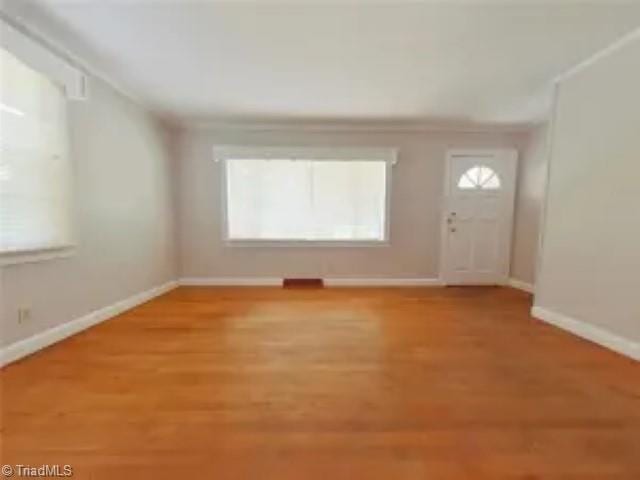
[130, 189]
[591, 251]
[124, 222]
[532, 176]
[415, 217]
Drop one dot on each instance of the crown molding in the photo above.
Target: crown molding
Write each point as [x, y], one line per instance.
[32, 20]
[29, 19]
[599, 55]
[354, 126]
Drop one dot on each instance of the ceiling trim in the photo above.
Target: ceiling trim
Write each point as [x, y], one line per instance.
[19, 21]
[364, 126]
[597, 56]
[28, 18]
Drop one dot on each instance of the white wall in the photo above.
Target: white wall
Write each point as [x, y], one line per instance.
[125, 233]
[591, 252]
[532, 176]
[415, 216]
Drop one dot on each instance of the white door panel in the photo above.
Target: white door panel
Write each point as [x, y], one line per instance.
[478, 216]
[486, 243]
[460, 246]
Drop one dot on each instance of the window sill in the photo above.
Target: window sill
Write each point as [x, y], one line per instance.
[34, 256]
[307, 243]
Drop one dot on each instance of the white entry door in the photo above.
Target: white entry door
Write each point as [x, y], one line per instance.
[478, 217]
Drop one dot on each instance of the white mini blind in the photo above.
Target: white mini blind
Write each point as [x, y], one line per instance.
[35, 171]
[306, 199]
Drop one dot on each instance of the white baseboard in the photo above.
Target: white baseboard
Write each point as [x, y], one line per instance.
[589, 332]
[231, 281]
[22, 348]
[383, 282]
[520, 285]
[329, 282]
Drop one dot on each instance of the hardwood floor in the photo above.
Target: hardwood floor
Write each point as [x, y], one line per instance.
[391, 384]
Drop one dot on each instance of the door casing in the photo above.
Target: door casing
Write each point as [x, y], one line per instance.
[511, 157]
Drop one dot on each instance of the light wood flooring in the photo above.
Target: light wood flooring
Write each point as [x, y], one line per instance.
[358, 384]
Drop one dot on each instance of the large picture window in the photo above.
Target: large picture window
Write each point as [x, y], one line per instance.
[35, 188]
[307, 195]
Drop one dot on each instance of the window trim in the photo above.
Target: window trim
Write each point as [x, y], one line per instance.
[37, 255]
[43, 58]
[40, 58]
[221, 153]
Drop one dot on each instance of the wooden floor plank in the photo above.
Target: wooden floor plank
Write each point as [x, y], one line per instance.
[247, 383]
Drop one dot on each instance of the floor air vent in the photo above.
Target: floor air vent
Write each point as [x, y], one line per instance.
[302, 283]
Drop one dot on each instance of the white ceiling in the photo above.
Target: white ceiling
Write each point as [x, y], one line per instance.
[480, 62]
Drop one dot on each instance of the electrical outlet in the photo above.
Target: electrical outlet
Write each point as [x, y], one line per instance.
[24, 315]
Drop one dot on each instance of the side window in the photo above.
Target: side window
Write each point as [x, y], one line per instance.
[35, 171]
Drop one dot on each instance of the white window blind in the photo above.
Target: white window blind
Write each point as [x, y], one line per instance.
[35, 172]
[320, 200]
